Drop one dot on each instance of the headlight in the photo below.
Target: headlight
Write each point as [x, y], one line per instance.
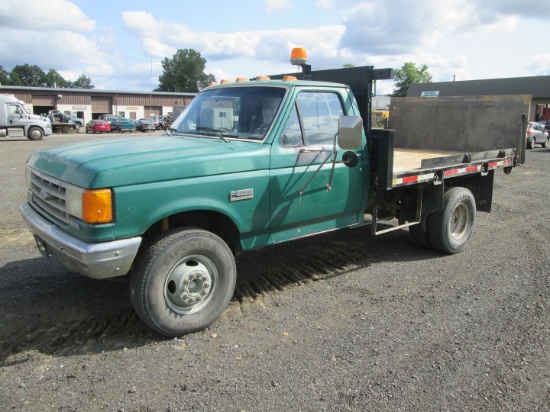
[92, 206]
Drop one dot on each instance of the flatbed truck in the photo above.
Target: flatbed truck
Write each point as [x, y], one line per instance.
[261, 161]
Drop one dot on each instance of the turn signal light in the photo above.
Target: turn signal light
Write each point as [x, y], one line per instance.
[97, 206]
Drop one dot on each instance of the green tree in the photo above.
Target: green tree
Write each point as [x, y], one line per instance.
[183, 72]
[15, 80]
[4, 76]
[54, 79]
[83, 82]
[407, 75]
[32, 76]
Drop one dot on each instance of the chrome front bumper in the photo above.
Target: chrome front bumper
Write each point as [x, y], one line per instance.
[95, 260]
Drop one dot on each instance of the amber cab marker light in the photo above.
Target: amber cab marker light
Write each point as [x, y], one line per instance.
[298, 56]
[97, 206]
[223, 81]
[241, 79]
[262, 78]
[289, 78]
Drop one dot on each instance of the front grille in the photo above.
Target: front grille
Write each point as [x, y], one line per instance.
[49, 193]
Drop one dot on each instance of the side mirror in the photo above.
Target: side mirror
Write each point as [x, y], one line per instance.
[350, 132]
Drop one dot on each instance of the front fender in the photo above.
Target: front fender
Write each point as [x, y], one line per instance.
[139, 207]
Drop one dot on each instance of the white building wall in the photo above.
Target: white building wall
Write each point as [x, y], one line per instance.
[73, 110]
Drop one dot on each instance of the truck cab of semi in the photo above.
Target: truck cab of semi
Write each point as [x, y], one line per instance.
[15, 120]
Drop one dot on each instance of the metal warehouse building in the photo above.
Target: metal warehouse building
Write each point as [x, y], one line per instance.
[89, 104]
[538, 87]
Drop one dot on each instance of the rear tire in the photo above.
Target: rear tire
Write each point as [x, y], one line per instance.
[451, 227]
[183, 281]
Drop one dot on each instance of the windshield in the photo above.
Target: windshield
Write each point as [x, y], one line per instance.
[232, 112]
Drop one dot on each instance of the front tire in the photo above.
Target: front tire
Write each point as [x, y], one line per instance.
[183, 281]
[35, 133]
[451, 227]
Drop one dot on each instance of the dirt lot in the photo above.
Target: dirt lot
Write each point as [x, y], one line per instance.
[343, 321]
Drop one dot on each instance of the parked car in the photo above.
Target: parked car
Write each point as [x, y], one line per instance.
[145, 125]
[109, 119]
[98, 126]
[545, 124]
[536, 135]
[120, 124]
[165, 122]
[78, 122]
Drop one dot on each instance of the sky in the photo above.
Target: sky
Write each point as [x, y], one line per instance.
[120, 44]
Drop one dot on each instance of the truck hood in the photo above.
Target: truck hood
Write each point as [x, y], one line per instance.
[148, 159]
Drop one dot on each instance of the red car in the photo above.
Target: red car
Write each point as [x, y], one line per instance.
[98, 126]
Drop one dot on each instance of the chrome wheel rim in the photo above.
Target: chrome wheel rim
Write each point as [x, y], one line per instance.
[190, 284]
[459, 221]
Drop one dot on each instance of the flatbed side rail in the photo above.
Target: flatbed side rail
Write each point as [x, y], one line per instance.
[438, 174]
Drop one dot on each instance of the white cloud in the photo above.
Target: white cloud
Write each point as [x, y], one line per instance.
[378, 27]
[273, 6]
[51, 15]
[540, 65]
[143, 24]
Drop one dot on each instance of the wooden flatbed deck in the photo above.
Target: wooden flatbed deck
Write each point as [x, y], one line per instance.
[405, 160]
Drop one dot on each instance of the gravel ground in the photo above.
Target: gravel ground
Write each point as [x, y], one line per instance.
[342, 321]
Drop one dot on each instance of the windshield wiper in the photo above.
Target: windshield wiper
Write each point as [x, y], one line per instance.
[216, 132]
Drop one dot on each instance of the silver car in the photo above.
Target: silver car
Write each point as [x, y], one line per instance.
[536, 135]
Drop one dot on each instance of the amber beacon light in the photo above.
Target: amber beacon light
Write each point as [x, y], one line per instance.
[298, 56]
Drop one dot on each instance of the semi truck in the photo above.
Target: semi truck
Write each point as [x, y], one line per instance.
[16, 121]
[257, 162]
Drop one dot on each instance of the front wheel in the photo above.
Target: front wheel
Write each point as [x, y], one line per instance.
[183, 281]
[450, 228]
[35, 133]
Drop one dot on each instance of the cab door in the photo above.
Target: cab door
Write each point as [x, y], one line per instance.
[306, 194]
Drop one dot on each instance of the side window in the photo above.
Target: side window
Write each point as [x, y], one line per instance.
[13, 109]
[292, 134]
[320, 112]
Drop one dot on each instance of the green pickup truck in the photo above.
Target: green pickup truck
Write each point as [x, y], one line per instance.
[253, 163]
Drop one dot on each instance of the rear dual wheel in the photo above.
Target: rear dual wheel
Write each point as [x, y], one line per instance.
[183, 281]
[448, 229]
